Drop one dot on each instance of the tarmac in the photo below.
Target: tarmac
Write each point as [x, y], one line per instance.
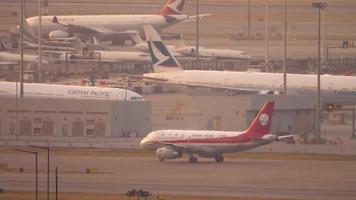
[235, 178]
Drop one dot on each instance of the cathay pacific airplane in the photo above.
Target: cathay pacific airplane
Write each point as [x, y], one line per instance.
[12, 58]
[183, 50]
[167, 71]
[50, 91]
[172, 144]
[102, 26]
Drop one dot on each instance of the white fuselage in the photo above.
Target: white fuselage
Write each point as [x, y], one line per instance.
[335, 89]
[15, 57]
[35, 90]
[110, 57]
[214, 53]
[189, 51]
[123, 56]
[144, 48]
[107, 24]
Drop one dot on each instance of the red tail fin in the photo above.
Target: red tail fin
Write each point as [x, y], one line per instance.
[173, 7]
[261, 125]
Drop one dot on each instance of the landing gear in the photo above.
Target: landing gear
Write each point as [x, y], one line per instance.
[219, 159]
[193, 159]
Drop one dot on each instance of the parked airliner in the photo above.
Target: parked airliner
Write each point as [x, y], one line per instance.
[172, 144]
[167, 71]
[183, 50]
[37, 90]
[11, 58]
[103, 26]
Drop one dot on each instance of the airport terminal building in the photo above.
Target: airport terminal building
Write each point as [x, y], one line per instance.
[69, 120]
[292, 114]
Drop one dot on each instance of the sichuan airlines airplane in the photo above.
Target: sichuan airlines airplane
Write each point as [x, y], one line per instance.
[172, 144]
[102, 26]
[167, 71]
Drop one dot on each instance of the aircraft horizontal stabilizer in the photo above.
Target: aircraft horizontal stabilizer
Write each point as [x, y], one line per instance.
[193, 18]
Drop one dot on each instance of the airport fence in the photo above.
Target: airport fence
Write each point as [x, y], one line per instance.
[344, 66]
[59, 141]
[133, 143]
[326, 149]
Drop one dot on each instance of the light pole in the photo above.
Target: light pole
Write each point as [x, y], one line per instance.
[197, 30]
[320, 6]
[323, 44]
[22, 50]
[249, 19]
[39, 36]
[36, 161]
[285, 50]
[57, 182]
[46, 148]
[266, 36]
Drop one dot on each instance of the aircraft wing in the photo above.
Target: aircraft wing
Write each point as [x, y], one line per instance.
[200, 87]
[7, 63]
[189, 149]
[193, 18]
[196, 88]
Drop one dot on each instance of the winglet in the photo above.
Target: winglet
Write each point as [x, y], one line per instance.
[173, 7]
[261, 125]
[162, 58]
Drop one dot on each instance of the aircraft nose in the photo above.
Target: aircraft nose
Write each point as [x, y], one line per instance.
[45, 62]
[248, 57]
[143, 143]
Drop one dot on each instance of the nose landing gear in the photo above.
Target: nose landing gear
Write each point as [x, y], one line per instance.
[193, 159]
[219, 159]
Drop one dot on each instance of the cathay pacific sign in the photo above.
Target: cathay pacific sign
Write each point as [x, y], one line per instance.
[94, 93]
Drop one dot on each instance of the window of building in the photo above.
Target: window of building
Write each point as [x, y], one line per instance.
[48, 127]
[77, 128]
[12, 129]
[37, 131]
[37, 120]
[90, 122]
[100, 129]
[90, 132]
[65, 130]
[25, 127]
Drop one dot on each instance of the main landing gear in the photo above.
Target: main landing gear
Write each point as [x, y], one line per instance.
[193, 159]
[219, 159]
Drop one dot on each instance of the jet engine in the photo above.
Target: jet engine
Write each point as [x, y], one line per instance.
[270, 92]
[167, 153]
[188, 50]
[59, 34]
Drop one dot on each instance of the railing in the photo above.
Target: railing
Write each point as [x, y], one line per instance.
[347, 148]
[60, 141]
